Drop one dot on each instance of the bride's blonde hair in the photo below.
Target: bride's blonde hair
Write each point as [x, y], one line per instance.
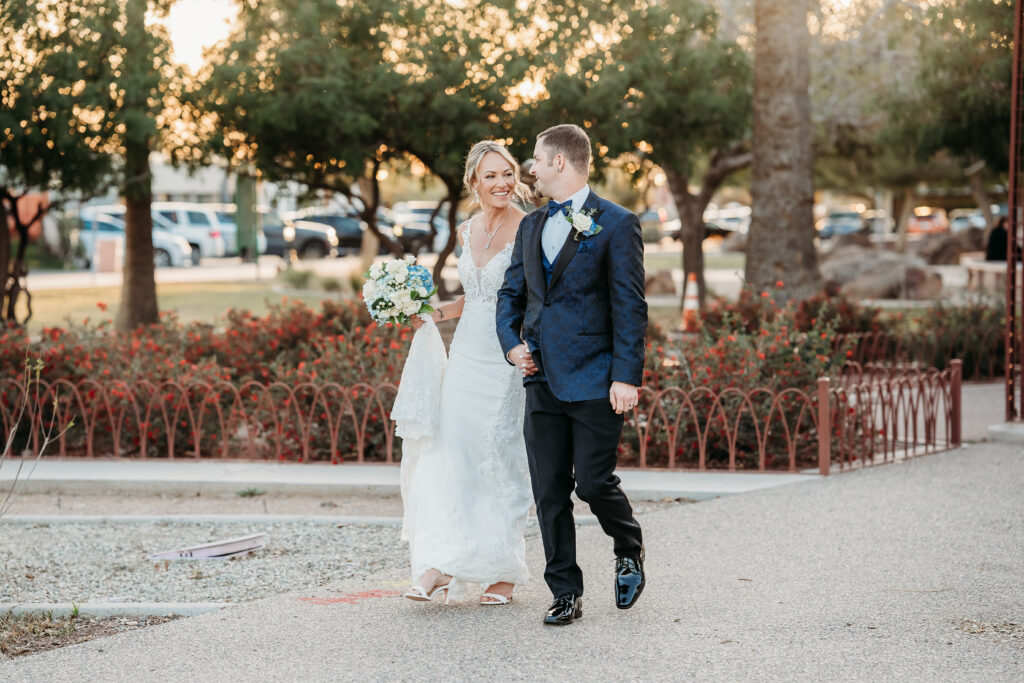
[476, 154]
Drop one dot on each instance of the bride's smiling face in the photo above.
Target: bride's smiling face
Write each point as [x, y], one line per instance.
[495, 180]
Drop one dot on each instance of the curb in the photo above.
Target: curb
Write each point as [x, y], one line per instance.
[324, 520]
[1011, 433]
[113, 609]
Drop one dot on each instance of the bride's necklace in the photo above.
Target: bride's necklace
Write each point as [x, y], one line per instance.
[492, 233]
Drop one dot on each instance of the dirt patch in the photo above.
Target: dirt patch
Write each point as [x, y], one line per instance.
[28, 634]
[1007, 631]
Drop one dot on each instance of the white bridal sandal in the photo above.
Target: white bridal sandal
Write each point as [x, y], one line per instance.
[495, 599]
[420, 594]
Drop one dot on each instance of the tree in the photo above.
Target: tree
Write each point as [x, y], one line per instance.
[654, 84]
[139, 69]
[458, 89]
[686, 109]
[781, 239]
[326, 94]
[963, 102]
[303, 90]
[51, 126]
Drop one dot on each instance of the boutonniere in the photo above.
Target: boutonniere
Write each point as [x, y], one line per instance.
[583, 223]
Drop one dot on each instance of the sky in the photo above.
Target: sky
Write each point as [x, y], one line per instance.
[198, 24]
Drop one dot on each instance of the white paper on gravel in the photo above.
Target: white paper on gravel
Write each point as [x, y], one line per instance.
[418, 402]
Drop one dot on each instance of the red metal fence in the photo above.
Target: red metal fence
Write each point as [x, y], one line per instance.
[872, 413]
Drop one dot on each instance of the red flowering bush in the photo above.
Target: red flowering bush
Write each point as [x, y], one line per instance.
[235, 387]
[738, 388]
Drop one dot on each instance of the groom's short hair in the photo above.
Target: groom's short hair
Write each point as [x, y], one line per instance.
[572, 142]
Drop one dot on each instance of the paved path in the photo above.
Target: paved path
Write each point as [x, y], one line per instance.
[911, 571]
[80, 475]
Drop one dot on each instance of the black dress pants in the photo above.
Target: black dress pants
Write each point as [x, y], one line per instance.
[575, 445]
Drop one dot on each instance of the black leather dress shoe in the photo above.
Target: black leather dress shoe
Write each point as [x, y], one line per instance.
[564, 610]
[629, 580]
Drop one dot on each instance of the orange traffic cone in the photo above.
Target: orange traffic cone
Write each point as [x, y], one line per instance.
[691, 304]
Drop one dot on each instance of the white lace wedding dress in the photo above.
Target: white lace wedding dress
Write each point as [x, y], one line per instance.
[466, 483]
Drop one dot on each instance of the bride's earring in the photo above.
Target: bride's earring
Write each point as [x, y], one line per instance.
[476, 196]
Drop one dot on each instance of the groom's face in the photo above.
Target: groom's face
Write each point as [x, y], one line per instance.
[544, 168]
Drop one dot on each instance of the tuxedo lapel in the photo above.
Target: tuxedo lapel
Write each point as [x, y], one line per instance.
[532, 258]
[569, 248]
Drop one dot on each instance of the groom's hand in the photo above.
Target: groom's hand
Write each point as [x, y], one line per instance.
[521, 357]
[623, 397]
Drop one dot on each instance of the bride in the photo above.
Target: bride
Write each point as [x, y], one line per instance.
[469, 494]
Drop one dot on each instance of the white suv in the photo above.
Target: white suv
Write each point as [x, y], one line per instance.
[197, 223]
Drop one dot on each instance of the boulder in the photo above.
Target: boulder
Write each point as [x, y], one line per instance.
[946, 249]
[846, 264]
[854, 239]
[921, 283]
[660, 282]
[895, 282]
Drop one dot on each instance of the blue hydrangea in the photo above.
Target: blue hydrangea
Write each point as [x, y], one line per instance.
[419, 276]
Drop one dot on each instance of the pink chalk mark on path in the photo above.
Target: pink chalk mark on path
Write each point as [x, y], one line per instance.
[352, 598]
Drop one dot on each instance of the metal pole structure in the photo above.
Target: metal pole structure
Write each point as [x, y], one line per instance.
[1014, 227]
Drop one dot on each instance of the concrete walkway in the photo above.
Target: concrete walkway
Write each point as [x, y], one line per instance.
[910, 571]
[79, 475]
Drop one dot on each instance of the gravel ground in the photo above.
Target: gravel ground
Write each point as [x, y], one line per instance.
[117, 503]
[89, 562]
[348, 505]
[99, 562]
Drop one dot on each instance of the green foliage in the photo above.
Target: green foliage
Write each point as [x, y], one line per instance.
[297, 279]
[330, 284]
[964, 81]
[53, 116]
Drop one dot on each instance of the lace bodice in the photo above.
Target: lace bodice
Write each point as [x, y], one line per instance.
[482, 284]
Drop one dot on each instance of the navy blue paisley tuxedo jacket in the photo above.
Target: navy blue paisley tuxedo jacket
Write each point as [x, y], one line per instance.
[587, 325]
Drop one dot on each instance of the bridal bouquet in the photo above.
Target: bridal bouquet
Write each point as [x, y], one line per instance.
[397, 289]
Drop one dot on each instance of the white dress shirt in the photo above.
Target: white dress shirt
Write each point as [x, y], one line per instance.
[557, 227]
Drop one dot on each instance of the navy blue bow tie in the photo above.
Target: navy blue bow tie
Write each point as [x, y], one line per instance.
[554, 207]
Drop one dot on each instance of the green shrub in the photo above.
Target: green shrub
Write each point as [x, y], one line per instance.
[651, 234]
[297, 279]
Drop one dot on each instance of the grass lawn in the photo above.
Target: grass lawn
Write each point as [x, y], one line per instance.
[712, 261]
[192, 301]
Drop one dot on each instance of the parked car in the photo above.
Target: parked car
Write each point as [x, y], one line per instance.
[349, 229]
[962, 219]
[840, 223]
[412, 230]
[927, 220]
[119, 211]
[169, 250]
[877, 222]
[198, 224]
[733, 218]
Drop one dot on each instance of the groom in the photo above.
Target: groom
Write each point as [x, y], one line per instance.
[572, 315]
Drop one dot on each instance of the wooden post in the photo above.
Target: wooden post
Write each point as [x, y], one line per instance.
[956, 369]
[824, 425]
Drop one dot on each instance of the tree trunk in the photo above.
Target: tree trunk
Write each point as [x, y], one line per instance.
[369, 189]
[974, 174]
[138, 290]
[906, 208]
[691, 218]
[5, 249]
[781, 241]
[442, 258]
